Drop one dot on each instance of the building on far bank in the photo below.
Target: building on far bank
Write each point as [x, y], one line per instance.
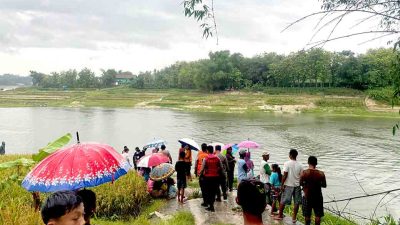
[123, 78]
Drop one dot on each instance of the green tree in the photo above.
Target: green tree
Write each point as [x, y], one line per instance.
[107, 78]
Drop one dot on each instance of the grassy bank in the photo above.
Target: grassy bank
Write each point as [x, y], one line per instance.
[124, 202]
[282, 100]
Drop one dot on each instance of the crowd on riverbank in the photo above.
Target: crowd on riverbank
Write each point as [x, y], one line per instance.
[214, 169]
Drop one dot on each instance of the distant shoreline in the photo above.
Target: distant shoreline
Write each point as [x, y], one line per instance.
[342, 104]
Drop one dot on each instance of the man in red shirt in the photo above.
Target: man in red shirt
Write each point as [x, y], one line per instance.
[312, 181]
[211, 171]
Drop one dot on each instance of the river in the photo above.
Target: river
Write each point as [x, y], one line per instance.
[348, 148]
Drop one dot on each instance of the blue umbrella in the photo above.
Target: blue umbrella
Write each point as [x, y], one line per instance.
[155, 143]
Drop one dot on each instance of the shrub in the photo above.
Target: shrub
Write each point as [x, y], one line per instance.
[122, 199]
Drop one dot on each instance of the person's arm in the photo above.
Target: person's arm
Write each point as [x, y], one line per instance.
[226, 164]
[302, 179]
[267, 169]
[203, 166]
[245, 167]
[195, 167]
[323, 182]
[285, 174]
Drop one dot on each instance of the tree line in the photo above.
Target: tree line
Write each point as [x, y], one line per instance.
[223, 70]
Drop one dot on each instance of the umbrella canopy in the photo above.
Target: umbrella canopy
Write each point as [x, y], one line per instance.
[162, 171]
[248, 144]
[192, 144]
[78, 166]
[153, 159]
[234, 147]
[155, 143]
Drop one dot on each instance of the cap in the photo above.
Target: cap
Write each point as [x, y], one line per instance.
[265, 153]
[242, 151]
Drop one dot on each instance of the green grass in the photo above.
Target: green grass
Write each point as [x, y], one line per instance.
[286, 100]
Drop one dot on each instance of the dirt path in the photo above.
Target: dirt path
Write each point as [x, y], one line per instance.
[372, 105]
[223, 212]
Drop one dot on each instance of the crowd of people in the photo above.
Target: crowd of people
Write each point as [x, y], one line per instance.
[271, 189]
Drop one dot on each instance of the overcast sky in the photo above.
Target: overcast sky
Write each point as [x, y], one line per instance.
[139, 35]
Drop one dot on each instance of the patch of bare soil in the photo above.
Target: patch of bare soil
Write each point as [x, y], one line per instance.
[373, 106]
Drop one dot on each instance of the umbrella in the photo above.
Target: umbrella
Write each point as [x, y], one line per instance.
[155, 143]
[153, 159]
[162, 171]
[248, 144]
[234, 147]
[192, 144]
[78, 166]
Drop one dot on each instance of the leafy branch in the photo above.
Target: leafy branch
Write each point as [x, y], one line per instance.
[204, 13]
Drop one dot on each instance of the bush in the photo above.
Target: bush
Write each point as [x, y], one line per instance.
[122, 199]
[383, 95]
[338, 102]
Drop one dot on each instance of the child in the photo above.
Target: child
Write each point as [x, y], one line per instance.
[63, 207]
[275, 180]
[89, 202]
[180, 168]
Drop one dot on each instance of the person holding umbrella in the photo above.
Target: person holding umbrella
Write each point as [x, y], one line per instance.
[231, 167]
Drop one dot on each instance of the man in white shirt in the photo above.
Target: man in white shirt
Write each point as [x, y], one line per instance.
[291, 185]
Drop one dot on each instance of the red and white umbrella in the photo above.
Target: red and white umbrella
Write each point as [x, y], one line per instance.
[153, 159]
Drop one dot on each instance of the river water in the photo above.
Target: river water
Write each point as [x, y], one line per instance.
[348, 148]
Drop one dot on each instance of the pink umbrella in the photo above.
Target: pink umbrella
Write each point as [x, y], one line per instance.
[153, 159]
[227, 146]
[248, 144]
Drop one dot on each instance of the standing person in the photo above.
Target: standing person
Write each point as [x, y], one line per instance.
[180, 168]
[231, 167]
[3, 148]
[136, 157]
[201, 155]
[188, 160]
[251, 196]
[222, 181]
[265, 172]
[211, 171]
[291, 185]
[166, 153]
[125, 154]
[276, 181]
[89, 203]
[242, 166]
[312, 181]
[250, 165]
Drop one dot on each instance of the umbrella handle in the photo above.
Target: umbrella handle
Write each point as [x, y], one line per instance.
[77, 137]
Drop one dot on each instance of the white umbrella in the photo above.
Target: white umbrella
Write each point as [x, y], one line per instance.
[192, 144]
[155, 143]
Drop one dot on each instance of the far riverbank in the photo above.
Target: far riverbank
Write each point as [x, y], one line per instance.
[333, 101]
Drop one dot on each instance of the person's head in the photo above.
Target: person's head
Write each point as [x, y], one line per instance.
[229, 150]
[210, 149]
[163, 147]
[251, 196]
[217, 148]
[187, 147]
[274, 167]
[265, 156]
[242, 154]
[126, 149]
[204, 147]
[312, 161]
[137, 149]
[89, 202]
[63, 208]
[293, 154]
[182, 155]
